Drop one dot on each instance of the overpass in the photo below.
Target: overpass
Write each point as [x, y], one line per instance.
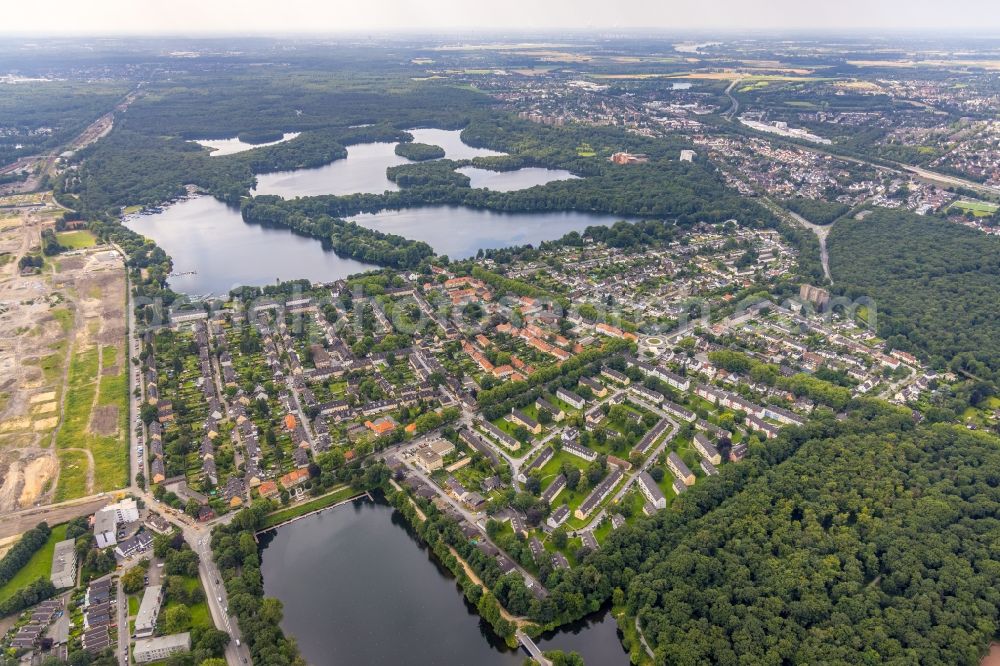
[532, 649]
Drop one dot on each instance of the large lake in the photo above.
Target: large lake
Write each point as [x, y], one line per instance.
[508, 181]
[204, 235]
[359, 588]
[459, 232]
[221, 147]
[362, 172]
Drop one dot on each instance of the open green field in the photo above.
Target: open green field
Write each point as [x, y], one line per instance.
[200, 616]
[39, 566]
[76, 240]
[329, 499]
[73, 466]
[85, 391]
[977, 208]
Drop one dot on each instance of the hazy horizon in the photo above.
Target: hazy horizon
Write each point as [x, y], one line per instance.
[310, 17]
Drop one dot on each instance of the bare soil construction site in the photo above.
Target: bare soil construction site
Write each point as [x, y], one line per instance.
[63, 378]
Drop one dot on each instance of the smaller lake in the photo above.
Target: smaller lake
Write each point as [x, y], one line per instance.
[363, 171]
[232, 146]
[204, 235]
[459, 232]
[451, 141]
[358, 587]
[509, 181]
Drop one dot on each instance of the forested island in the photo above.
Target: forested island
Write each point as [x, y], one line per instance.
[419, 152]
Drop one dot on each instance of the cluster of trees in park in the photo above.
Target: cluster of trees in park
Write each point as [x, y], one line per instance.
[256, 137]
[30, 261]
[934, 285]
[801, 384]
[50, 244]
[345, 238]
[38, 590]
[13, 178]
[418, 152]
[18, 556]
[817, 211]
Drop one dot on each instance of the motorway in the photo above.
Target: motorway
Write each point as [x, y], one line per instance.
[734, 108]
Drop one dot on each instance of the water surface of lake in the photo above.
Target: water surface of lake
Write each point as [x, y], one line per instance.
[451, 141]
[359, 588]
[204, 235]
[363, 171]
[459, 232]
[509, 181]
[232, 146]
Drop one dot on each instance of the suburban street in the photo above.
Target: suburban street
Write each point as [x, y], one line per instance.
[197, 535]
[123, 627]
[474, 519]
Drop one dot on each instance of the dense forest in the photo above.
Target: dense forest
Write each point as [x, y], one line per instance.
[863, 547]
[38, 118]
[935, 285]
[148, 157]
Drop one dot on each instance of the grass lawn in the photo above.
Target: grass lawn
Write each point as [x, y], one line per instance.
[283, 515]
[978, 208]
[39, 566]
[602, 531]
[76, 240]
[200, 616]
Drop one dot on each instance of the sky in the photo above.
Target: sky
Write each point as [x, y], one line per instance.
[181, 17]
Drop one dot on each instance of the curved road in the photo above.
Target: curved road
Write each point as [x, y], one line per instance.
[734, 107]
